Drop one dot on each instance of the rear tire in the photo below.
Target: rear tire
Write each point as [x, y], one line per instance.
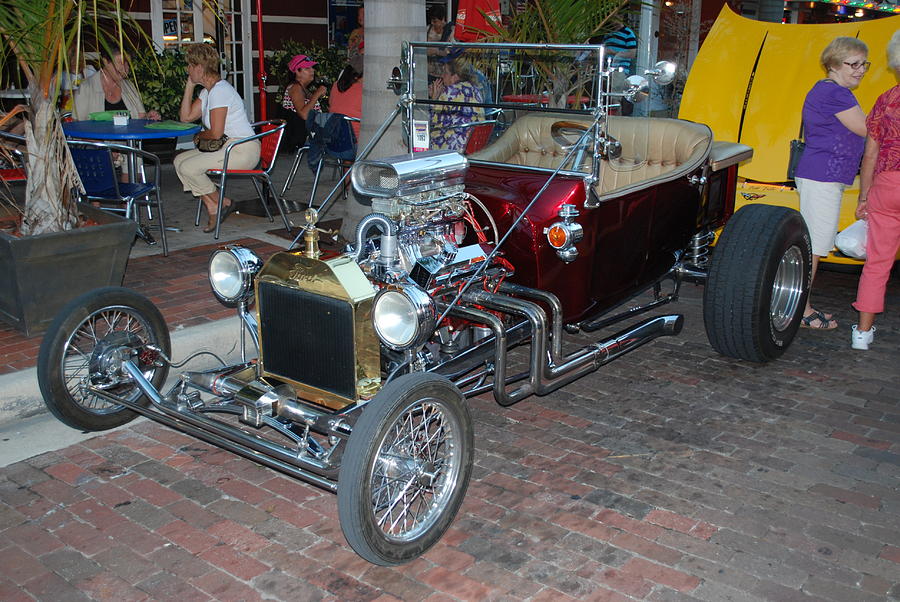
[758, 283]
[72, 356]
[406, 469]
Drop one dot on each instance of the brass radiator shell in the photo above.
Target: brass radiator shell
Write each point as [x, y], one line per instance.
[315, 328]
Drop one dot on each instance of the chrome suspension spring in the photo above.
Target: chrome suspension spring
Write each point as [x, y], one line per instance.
[698, 251]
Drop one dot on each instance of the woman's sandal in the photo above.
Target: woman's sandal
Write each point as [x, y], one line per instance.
[816, 320]
[226, 211]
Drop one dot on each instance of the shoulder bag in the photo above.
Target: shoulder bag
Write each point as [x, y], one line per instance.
[797, 148]
[209, 145]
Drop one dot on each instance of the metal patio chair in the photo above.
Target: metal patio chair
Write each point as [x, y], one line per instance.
[270, 134]
[94, 162]
[339, 150]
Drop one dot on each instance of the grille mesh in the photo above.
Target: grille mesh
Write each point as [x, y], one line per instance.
[377, 177]
[308, 338]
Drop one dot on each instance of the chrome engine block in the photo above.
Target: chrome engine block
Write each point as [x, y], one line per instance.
[424, 221]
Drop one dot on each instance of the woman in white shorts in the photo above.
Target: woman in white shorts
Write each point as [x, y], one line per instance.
[835, 131]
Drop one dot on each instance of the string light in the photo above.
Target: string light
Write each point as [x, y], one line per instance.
[885, 7]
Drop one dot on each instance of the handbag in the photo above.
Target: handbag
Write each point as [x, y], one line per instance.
[797, 148]
[209, 145]
[851, 241]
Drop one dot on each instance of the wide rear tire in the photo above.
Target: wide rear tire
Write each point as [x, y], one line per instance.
[75, 351]
[406, 469]
[758, 283]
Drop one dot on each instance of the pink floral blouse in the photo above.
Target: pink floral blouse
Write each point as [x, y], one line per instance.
[883, 125]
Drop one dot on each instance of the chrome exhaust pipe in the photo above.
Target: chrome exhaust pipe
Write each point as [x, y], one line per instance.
[548, 369]
[224, 435]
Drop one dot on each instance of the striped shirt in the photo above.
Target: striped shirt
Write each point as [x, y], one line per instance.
[620, 41]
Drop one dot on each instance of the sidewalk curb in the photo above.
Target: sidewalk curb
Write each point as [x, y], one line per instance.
[21, 396]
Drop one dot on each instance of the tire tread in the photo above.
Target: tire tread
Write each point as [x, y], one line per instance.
[736, 277]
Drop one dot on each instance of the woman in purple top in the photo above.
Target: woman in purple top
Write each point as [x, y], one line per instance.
[835, 131]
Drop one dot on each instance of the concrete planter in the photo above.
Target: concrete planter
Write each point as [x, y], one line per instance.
[40, 274]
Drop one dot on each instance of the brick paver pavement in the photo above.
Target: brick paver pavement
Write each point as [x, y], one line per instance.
[671, 474]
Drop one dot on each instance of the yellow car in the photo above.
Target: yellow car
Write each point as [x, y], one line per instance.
[752, 92]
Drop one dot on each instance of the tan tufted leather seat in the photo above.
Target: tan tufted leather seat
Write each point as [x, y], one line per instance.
[654, 149]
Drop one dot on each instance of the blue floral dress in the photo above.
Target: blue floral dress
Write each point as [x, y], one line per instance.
[447, 121]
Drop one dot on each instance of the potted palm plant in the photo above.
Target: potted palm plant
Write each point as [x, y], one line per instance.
[53, 257]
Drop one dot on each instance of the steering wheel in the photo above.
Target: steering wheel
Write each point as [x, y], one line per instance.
[567, 133]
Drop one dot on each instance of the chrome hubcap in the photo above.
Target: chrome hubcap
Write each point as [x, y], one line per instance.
[416, 470]
[92, 350]
[787, 289]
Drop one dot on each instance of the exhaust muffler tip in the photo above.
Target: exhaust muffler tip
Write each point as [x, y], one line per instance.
[674, 324]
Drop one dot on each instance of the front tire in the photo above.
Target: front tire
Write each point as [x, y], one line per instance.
[406, 469]
[77, 349]
[758, 283]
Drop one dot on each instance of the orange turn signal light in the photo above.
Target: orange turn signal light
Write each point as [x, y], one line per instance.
[557, 236]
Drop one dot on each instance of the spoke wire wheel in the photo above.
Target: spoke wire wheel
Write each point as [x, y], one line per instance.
[405, 469]
[415, 470]
[80, 350]
[787, 289]
[80, 355]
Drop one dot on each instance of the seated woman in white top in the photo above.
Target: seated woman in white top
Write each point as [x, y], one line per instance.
[222, 112]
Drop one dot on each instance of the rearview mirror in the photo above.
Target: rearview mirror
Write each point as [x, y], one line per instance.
[663, 73]
[637, 88]
[397, 81]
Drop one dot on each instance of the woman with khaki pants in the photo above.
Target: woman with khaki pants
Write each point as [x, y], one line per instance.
[222, 112]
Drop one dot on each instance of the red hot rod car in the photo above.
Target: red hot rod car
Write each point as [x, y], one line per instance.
[550, 214]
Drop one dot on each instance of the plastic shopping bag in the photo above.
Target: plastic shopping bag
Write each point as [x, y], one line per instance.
[852, 240]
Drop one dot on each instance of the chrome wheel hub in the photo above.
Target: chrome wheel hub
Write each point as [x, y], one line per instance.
[787, 289]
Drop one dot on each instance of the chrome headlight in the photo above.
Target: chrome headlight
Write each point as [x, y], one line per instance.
[231, 272]
[403, 317]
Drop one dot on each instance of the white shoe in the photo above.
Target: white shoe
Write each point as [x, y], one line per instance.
[860, 339]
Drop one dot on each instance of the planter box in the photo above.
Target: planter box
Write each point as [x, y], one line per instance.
[40, 274]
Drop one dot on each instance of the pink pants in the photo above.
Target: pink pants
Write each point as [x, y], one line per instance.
[882, 241]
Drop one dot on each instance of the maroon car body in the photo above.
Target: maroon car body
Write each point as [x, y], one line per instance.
[630, 241]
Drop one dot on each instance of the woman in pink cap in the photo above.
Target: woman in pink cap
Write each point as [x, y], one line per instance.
[297, 100]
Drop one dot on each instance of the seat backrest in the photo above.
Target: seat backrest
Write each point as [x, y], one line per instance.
[95, 168]
[528, 141]
[479, 137]
[653, 148]
[269, 145]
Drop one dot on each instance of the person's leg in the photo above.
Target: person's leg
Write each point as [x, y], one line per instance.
[191, 167]
[882, 243]
[242, 156]
[820, 205]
